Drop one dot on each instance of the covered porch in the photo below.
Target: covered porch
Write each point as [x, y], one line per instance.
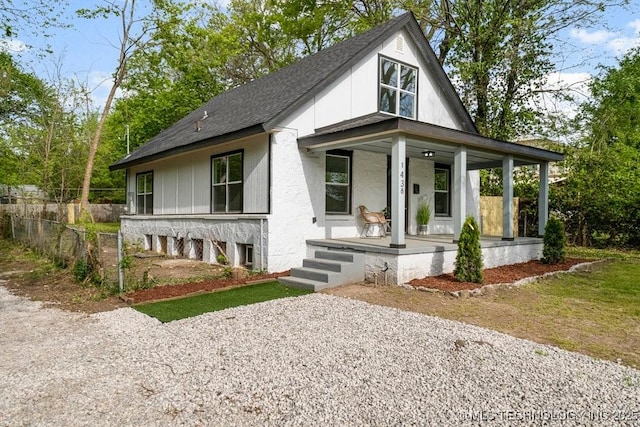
[461, 152]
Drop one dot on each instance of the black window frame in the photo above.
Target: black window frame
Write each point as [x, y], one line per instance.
[349, 156]
[397, 88]
[226, 183]
[147, 195]
[447, 169]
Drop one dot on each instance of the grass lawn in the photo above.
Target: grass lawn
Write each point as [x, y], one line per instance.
[166, 311]
[596, 312]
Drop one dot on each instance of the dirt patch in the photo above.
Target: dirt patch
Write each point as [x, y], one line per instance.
[30, 276]
[492, 276]
[174, 291]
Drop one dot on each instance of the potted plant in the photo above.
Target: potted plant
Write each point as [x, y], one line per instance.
[423, 215]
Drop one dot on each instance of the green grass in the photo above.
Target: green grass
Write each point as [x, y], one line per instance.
[106, 227]
[584, 252]
[166, 311]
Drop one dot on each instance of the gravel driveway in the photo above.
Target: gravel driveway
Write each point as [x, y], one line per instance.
[312, 360]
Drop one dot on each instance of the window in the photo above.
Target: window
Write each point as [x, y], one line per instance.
[226, 193]
[338, 183]
[246, 255]
[398, 87]
[144, 193]
[442, 187]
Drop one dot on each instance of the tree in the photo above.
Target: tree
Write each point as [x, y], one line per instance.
[468, 265]
[130, 40]
[613, 112]
[554, 242]
[601, 195]
[35, 15]
[499, 52]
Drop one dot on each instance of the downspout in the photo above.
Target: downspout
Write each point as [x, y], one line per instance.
[261, 244]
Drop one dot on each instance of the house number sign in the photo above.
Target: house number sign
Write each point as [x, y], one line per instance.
[401, 182]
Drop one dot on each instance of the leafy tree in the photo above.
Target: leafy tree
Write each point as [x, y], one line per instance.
[601, 195]
[613, 112]
[499, 52]
[468, 265]
[133, 31]
[33, 16]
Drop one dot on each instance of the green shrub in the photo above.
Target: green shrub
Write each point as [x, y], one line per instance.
[469, 257]
[423, 215]
[81, 270]
[554, 241]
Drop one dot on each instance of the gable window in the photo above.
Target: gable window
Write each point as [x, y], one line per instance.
[442, 186]
[398, 88]
[338, 183]
[226, 182]
[144, 193]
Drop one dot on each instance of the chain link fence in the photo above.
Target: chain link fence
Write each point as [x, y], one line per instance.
[69, 246]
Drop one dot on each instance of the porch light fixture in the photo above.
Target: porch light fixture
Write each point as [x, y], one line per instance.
[428, 153]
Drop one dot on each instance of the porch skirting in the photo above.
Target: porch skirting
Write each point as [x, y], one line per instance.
[429, 256]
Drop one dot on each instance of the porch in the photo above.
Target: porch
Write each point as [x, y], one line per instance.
[422, 256]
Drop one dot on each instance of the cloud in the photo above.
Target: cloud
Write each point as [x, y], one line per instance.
[12, 45]
[635, 25]
[594, 37]
[618, 42]
[622, 45]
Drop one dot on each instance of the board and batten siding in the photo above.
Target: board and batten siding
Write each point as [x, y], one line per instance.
[355, 93]
[182, 184]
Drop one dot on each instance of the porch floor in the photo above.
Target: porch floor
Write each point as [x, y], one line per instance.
[415, 244]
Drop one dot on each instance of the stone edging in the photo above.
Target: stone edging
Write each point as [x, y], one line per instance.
[487, 289]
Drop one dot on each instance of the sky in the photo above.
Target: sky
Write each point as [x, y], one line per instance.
[87, 52]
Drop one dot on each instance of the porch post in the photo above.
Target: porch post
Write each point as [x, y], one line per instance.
[543, 198]
[459, 190]
[398, 183]
[507, 197]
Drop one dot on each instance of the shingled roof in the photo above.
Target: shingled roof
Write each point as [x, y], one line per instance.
[257, 106]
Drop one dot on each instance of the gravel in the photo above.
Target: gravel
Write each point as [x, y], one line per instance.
[312, 360]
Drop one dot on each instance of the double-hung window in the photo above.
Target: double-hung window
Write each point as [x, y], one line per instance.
[442, 186]
[398, 88]
[338, 183]
[226, 192]
[144, 193]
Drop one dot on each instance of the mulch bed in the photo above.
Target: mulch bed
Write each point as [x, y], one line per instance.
[174, 291]
[444, 282]
[503, 274]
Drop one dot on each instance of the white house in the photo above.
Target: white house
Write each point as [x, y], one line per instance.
[272, 172]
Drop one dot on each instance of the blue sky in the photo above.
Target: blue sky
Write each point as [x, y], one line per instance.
[87, 51]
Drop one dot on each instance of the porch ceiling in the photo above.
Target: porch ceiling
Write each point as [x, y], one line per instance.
[376, 133]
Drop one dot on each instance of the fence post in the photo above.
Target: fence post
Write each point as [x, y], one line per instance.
[13, 228]
[120, 266]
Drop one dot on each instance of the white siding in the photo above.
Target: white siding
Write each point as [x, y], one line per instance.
[256, 178]
[355, 93]
[182, 184]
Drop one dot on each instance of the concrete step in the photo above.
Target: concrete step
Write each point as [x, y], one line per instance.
[300, 283]
[327, 269]
[324, 264]
[324, 276]
[338, 256]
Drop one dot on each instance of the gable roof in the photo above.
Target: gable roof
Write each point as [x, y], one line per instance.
[258, 106]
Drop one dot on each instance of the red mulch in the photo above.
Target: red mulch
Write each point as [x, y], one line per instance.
[173, 291]
[504, 274]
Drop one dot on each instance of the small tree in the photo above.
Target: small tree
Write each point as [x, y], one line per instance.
[469, 257]
[554, 241]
